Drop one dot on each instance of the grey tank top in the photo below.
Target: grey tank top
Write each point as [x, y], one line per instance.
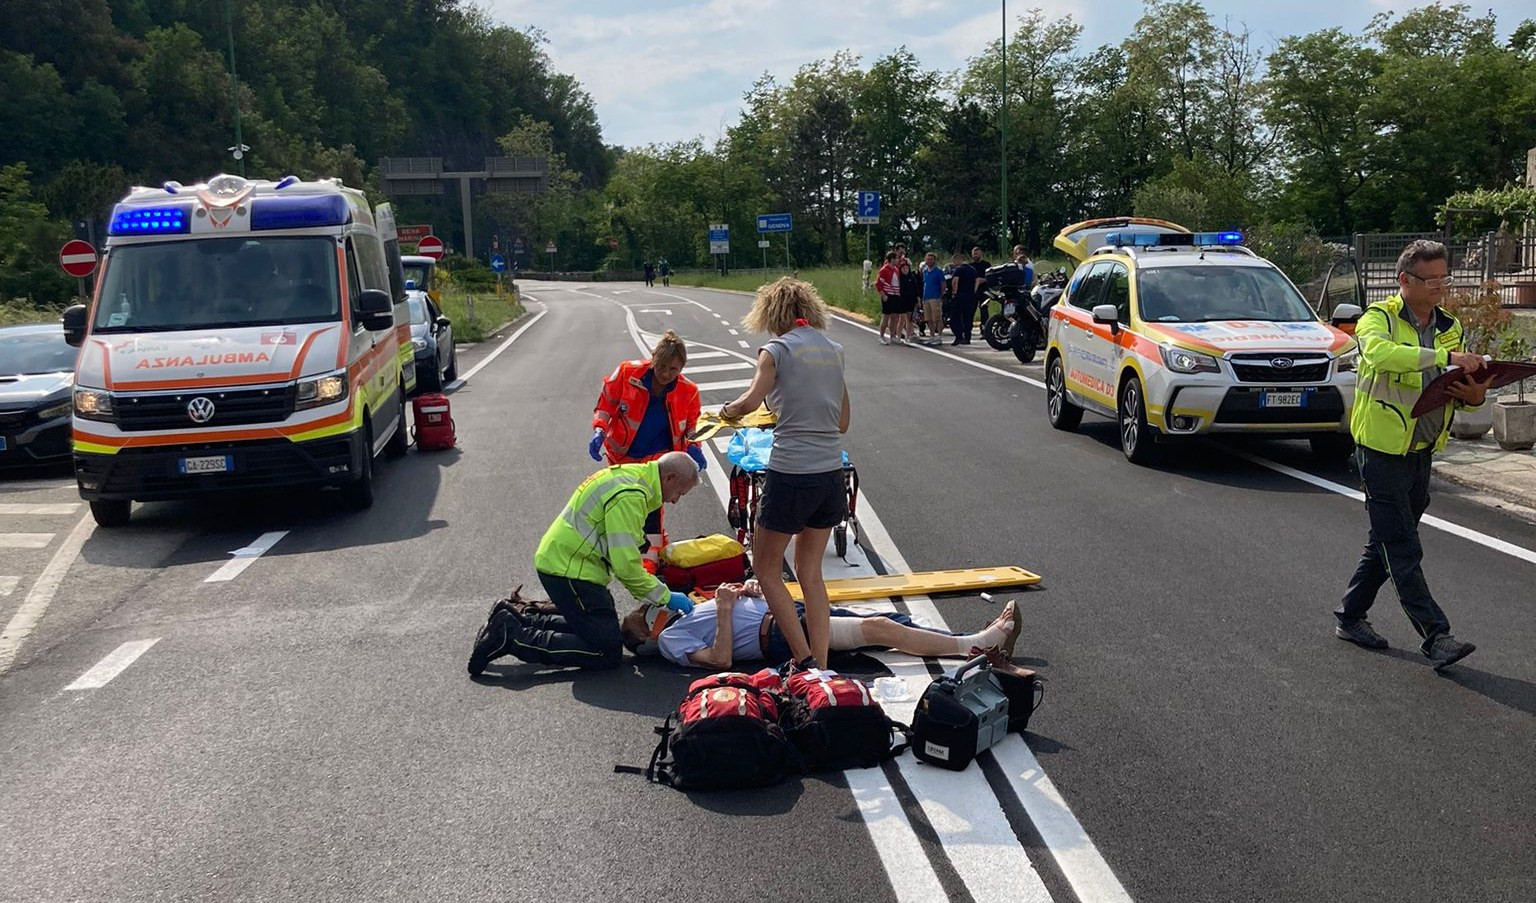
[807, 396]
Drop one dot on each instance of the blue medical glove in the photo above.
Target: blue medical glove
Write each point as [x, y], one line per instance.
[680, 604]
[595, 447]
[697, 454]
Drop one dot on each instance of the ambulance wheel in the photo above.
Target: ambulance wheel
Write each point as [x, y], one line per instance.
[400, 442]
[111, 512]
[840, 540]
[1137, 439]
[995, 330]
[1063, 413]
[358, 494]
[1332, 448]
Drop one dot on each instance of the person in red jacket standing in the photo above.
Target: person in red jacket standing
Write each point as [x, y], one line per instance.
[646, 409]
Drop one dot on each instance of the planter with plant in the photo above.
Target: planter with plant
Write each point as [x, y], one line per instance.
[1514, 420]
[1483, 319]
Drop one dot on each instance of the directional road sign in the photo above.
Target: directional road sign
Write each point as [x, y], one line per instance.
[410, 235]
[719, 238]
[868, 208]
[498, 263]
[775, 222]
[431, 246]
[549, 248]
[77, 258]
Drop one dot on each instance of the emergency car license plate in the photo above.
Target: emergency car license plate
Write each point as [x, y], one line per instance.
[208, 464]
[1282, 399]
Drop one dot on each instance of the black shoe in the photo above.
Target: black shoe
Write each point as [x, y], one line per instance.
[494, 638]
[1446, 650]
[957, 342]
[789, 669]
[1361, 634]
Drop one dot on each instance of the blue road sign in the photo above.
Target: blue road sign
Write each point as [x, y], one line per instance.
[719, 232]
[775, 222]
[869, 203]
[498, 263]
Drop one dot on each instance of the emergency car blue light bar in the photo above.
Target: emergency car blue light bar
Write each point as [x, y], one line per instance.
[299, 212]
[1146, 239]
[148, 221]
[1218, 238]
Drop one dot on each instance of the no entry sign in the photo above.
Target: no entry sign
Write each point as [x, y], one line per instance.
[78, 258]
[430, 246]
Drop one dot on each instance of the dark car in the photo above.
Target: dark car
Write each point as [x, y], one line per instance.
[437, 364]
[37, 378]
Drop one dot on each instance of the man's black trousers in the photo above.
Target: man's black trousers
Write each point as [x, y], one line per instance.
[585, 633]
[1396, 494]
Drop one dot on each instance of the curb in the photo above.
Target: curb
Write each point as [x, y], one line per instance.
[1486, 492]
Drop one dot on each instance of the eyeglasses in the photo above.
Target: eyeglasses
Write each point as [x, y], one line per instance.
[1433, 281]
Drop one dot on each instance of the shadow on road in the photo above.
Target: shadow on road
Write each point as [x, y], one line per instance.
[1512, 692]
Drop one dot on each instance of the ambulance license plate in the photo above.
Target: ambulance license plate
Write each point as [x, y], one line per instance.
[209, 464]
[1282, 400]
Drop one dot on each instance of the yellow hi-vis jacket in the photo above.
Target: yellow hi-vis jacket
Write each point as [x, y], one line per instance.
[597, 537]
[1392, 372]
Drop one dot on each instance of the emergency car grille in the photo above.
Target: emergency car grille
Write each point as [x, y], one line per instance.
[232, 407]
[12, 418]
[1243, 405]
[1275, 369]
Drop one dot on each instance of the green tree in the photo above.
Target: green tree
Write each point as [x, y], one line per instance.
[29, 243]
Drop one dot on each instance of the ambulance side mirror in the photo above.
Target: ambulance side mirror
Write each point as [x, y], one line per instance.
[74, 324]
[377, 309]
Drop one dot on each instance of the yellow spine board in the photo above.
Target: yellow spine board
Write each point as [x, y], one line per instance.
[922, 583]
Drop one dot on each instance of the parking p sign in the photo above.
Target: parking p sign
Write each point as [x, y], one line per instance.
[868, 208]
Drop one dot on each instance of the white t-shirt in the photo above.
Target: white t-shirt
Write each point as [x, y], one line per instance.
[696, 631]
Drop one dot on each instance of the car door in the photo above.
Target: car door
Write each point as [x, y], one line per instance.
[1087, 355]
[1342, 285]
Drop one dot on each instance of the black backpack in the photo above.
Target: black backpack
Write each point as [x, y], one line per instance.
[724, 735]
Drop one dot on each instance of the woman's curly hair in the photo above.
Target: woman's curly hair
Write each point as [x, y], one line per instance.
[780, 303]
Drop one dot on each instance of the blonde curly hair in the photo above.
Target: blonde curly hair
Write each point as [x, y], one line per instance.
[780, 303]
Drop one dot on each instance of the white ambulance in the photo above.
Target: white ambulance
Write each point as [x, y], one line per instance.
[245, 335]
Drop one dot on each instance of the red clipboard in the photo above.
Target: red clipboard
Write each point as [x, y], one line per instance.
[1437, 392]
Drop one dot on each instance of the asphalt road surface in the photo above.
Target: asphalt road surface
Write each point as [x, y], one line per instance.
[264, 698]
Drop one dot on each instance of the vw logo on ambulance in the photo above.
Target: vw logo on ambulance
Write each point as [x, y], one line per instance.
[200, 409]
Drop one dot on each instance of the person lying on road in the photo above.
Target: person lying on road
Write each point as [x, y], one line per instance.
[696, 640]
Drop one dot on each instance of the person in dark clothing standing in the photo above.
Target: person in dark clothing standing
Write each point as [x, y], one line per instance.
[911, 286]
[962, 287]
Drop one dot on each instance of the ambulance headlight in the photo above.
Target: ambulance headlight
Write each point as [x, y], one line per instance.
[93, 405]
[327, 389]
[1349, 360]
[1181, 360]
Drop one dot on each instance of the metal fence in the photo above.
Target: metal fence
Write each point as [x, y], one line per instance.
[1509, 260]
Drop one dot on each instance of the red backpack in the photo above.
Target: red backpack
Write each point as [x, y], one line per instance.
[724, 735]
[434, 423]
[834, 723]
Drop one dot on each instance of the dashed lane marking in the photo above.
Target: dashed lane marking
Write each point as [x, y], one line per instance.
[726, 384]
[116, 662]
[245, 557]
[38, 598]
[743, 343]
[25, 540]
[733, 332]
[23, 509]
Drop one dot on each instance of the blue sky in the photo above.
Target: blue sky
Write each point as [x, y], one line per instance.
[669, 70]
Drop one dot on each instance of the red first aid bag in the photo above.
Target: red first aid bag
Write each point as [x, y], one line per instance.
[724, 735]
[835, 724]
[434, 423]
[702, 563]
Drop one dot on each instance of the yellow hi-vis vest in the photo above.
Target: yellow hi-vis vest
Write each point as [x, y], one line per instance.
[597, 537]
[1392, 372]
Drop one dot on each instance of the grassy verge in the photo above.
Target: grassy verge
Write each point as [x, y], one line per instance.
[490, 311]
[17, 312]
[838, 286]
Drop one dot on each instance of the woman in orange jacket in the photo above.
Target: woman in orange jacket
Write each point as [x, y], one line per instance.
[646, 409]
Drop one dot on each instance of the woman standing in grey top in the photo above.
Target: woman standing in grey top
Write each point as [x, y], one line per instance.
[800, 374]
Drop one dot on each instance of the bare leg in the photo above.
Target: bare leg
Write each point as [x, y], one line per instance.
[916, 641]
[768, 567]
[809, 549]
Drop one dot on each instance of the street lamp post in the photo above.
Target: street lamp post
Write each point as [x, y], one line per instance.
[1003, 235]
[234, 87]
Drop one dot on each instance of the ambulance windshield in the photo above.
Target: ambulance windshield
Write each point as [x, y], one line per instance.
[1190, 294]
[219, 282]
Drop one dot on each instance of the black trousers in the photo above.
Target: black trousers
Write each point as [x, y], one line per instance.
[1396, 494]
[585, 633]
[962, 312]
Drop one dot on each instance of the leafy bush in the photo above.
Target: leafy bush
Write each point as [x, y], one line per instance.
[1482, 315]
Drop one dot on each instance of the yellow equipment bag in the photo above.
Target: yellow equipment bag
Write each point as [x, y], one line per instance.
[689, 553]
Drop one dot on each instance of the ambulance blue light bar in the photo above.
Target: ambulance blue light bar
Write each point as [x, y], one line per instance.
[148, 221]
[299, 211]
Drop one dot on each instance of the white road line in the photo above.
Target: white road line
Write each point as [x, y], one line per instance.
[906, 865]
[499, 349]
[743, 343]
[733, 332]
[715, 368]
[57, 508]
[25, 540]
[8, 585]
[726, 384]
[114, 664]
[701, 355]
[245, 557]
[32, 608]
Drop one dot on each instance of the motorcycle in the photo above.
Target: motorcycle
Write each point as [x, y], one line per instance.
[1028, 333]
[1005, 286]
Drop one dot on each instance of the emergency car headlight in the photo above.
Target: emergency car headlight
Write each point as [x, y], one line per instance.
[1349, 360]
[1181, 360]
[93, 405]
[327, 389]
[61, 409]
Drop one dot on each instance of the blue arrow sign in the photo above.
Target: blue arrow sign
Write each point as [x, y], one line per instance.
[869, 203]
[498, 263]
[775, 222]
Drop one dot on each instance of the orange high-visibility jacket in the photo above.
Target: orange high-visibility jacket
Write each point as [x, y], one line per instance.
[622, 403]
